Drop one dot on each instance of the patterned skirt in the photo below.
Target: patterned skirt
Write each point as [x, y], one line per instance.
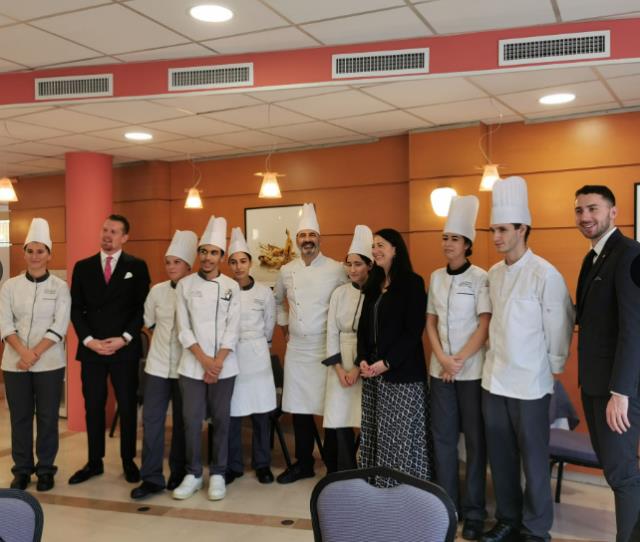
[395, 429]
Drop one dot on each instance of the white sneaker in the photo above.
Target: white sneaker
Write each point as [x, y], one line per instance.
[190, 484]
[217, 487]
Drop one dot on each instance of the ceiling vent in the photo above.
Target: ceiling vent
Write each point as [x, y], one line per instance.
[381, 63]
[211, 77]
[79, 86]
[539, 49]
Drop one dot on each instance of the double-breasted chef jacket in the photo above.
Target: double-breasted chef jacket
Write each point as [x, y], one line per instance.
[160, 316]
[306, 290]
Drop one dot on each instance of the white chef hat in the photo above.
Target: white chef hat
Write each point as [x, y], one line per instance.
[39, 233]
[184, 245]
[308, 220]
[510, 202]
[215, 233]
[238, 242]
[462, 216]
[362, 241]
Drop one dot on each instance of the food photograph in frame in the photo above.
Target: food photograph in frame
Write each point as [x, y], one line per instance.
[271, 236]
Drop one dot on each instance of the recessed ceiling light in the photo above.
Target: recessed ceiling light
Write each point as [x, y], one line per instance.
[555, 99]
[211, 13]
[138, 136]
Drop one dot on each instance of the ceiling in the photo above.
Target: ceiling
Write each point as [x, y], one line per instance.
[41, 34]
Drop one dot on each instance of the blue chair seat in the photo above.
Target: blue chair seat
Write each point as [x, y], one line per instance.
[572, 447]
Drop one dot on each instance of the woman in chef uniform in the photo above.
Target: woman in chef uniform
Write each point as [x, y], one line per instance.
[459, 310]
[342, 403]
[254, 393]
[34, 316]
[161, 368]
[208, 311]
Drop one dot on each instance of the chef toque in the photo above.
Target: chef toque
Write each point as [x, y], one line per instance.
[215, 234]
[362, 241]
[510, 202]
[238, 243]
[39, 233]
[184, 245]
[462, 217]
[308, 220]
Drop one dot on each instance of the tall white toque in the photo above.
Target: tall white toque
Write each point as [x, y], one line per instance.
[39, 233]
[362, 241]
[184, 245]
[308, 220]
[462, 217]
[238, 242]
[215, 233]
[510, 202]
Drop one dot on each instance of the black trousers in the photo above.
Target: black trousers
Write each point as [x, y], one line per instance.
[618, 457]
[157, 394]
[303, 431]
[124, 379]
[260, 442]
[30, 393]
[340, 449]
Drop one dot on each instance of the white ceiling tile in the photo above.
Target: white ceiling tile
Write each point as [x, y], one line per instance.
[249, 139]
[143, 152]
[504, 120]
[383, 25]
[7, 155]
[128, 111]
[586, 94]
[193, 126]
[4, 140]
[425, 91]
[291, 93]
[619, 69]
[37, 149]
[517, 81]
[564, 111]
[456, 112]
[95, 61]
[573, 10]
[23, 130]
[626, 88]
[458, 16]
[117, 134]
[331, 106]
[71, 120]
[397, 121]
[249, 16]
[300, 12]
[267, 40]
[33, 47]
[192, 146]
[50, 164]
[5, 20]
[328, 141]
[9, 66]
[190, 50]
[311, 131]
[16, 111]
[205, 103]
[13, 170]
[82, 142]
[631, 103]
[30, 9]
[259, 116]
[98, 27]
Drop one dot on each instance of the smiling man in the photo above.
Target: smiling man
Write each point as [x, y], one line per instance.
[608, 315]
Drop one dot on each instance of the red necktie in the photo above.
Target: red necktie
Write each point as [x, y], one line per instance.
[107, 269]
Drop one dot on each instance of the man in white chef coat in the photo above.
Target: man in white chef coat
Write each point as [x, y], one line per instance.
[306, 284]
[529, 338]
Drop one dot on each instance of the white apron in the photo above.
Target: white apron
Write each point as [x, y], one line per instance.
[304, 375]
[254, 390]
[343, 406]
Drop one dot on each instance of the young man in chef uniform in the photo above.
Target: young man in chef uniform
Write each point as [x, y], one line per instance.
[529, 338]
[306, 284]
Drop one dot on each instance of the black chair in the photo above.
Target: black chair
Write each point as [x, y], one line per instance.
[345, 507]
[21, 517]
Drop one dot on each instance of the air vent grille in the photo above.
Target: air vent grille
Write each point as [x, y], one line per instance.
[211, 77]
[380, 63]
[580, 46]
[85, 86]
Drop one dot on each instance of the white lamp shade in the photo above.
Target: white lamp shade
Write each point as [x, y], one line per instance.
[7, 193]
[270, 189]
[489, 177]
[193, 199]
[441, 200]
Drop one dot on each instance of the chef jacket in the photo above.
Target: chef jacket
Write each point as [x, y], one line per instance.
[160, 314]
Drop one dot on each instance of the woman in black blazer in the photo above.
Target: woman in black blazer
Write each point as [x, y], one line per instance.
[395, 417]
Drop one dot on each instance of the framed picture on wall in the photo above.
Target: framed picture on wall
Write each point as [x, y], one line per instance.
[271, 236]
[636, 211]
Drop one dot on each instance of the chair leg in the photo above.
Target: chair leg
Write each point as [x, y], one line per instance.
[283, 443]
[559, 480]
[316, 436]
[114, 423]
[209, 442]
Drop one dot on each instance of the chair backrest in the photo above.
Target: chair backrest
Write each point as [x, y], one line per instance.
[345, 507]
[561, 406]
[21, 517]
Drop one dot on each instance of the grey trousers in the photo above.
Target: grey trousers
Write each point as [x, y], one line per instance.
[455, 407]
[260, 442]
[518, 429]
[30, 393]
[157, 394]
[198, 400]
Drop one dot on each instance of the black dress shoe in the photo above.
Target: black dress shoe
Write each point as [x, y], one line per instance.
[20, 481]
[231, 475]
[145, 489]
[175, 480]
[131, 472]
[294, 473]
[472, 529]
[86, 472]
[264, 474]
[502, 532]
[45, 482]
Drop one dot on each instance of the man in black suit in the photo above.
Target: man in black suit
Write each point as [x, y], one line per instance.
[107, 305]
[608, 314]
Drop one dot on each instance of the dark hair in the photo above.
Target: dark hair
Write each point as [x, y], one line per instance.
[600, 189]
[469, 250]
[526, 234]
[122, 220]
[401, 264]
[364, 258]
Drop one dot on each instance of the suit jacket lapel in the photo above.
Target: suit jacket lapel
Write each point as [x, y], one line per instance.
[119, 271]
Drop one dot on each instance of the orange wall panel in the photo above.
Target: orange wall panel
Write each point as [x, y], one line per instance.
[58, 258]
[149, 219]
[151, 252]
[20, 220]
[39, 192]
[148, 180]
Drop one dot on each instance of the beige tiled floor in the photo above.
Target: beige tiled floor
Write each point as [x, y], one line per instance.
[101, 510]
